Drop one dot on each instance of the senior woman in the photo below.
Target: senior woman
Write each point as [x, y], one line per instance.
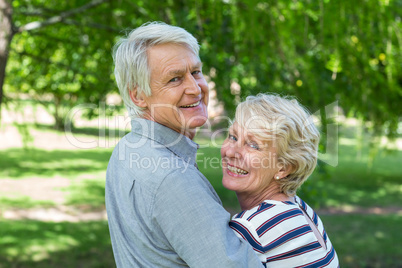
[270, 151]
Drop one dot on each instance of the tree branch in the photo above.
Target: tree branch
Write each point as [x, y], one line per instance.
[43, 34]
[92, 25]
[38, 13]
[56, 19]
[58, 64]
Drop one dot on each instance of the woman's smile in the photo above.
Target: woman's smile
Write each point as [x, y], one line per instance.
[232, 170]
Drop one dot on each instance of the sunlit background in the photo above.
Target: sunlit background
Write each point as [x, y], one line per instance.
[61, 114]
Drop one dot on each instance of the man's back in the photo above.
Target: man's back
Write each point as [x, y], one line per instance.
[162, 211]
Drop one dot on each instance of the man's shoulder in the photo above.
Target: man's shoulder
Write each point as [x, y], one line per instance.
[147, 162]
[133, 146]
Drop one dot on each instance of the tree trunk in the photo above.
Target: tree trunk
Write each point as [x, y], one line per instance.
[58, 113]
[6, 34]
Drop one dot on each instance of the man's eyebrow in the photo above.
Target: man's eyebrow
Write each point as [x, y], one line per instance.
[197, 65]
[181, 71]
[176, 72]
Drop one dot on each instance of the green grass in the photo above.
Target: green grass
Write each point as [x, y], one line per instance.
[79, 132]
[22, 202]
[366, 240]
[360, 240]
[354, 183]
[17, 163]
[88, 192]
[44, 244]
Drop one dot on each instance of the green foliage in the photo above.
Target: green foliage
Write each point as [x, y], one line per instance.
[27, 138]
[319, 51]
[67, 63]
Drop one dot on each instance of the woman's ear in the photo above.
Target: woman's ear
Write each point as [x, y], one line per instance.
[284, 171]
[137, 98]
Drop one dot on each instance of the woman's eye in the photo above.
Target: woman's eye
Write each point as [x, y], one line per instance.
[254, 146]
[231, 137]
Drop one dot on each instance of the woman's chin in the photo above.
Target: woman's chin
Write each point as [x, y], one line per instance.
[228, 184]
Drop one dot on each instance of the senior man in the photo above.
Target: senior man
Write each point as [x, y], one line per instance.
[162, 211]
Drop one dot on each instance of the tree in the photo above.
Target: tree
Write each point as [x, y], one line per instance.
[320, 51]
[6, 35]
[46, 16]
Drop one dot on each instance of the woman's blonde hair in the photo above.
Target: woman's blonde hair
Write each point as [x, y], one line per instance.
[289, 126]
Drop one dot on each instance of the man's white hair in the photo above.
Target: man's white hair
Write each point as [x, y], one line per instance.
[131, 58]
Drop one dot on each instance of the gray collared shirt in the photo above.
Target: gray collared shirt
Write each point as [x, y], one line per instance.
[162, 211]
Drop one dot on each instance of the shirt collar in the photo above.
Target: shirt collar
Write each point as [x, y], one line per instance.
[163, 136]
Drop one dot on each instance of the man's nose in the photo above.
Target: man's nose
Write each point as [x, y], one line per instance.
[191, 85]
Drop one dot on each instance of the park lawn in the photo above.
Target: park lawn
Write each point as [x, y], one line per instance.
[84, 168]
[26, 243]
[365, 240]
[17, 163]
[361, 240]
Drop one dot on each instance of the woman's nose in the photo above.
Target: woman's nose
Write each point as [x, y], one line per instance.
[233, 150]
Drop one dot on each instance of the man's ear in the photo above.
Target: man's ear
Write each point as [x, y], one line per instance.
[137, 98]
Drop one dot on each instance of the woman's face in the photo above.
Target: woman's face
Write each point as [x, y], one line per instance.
[248, 164]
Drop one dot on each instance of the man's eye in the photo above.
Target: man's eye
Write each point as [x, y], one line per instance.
[196, 73]
[174, 79]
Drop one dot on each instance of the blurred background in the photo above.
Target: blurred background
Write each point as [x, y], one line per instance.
[61, 114]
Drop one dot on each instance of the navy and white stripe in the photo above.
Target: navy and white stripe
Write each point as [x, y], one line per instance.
[277, 219]
[281, 236]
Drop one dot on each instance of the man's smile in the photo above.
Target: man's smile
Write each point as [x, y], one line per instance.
[191, 105]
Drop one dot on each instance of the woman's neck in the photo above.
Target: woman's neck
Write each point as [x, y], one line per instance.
[248, 201]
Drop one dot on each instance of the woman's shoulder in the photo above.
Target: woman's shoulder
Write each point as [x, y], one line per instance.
[309, 211]
[267, 211]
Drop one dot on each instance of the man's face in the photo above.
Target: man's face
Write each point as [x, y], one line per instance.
[179, 91]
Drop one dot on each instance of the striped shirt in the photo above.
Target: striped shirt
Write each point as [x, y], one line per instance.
[282, 237]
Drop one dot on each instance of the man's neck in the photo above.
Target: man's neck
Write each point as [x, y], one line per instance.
[189, 133]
